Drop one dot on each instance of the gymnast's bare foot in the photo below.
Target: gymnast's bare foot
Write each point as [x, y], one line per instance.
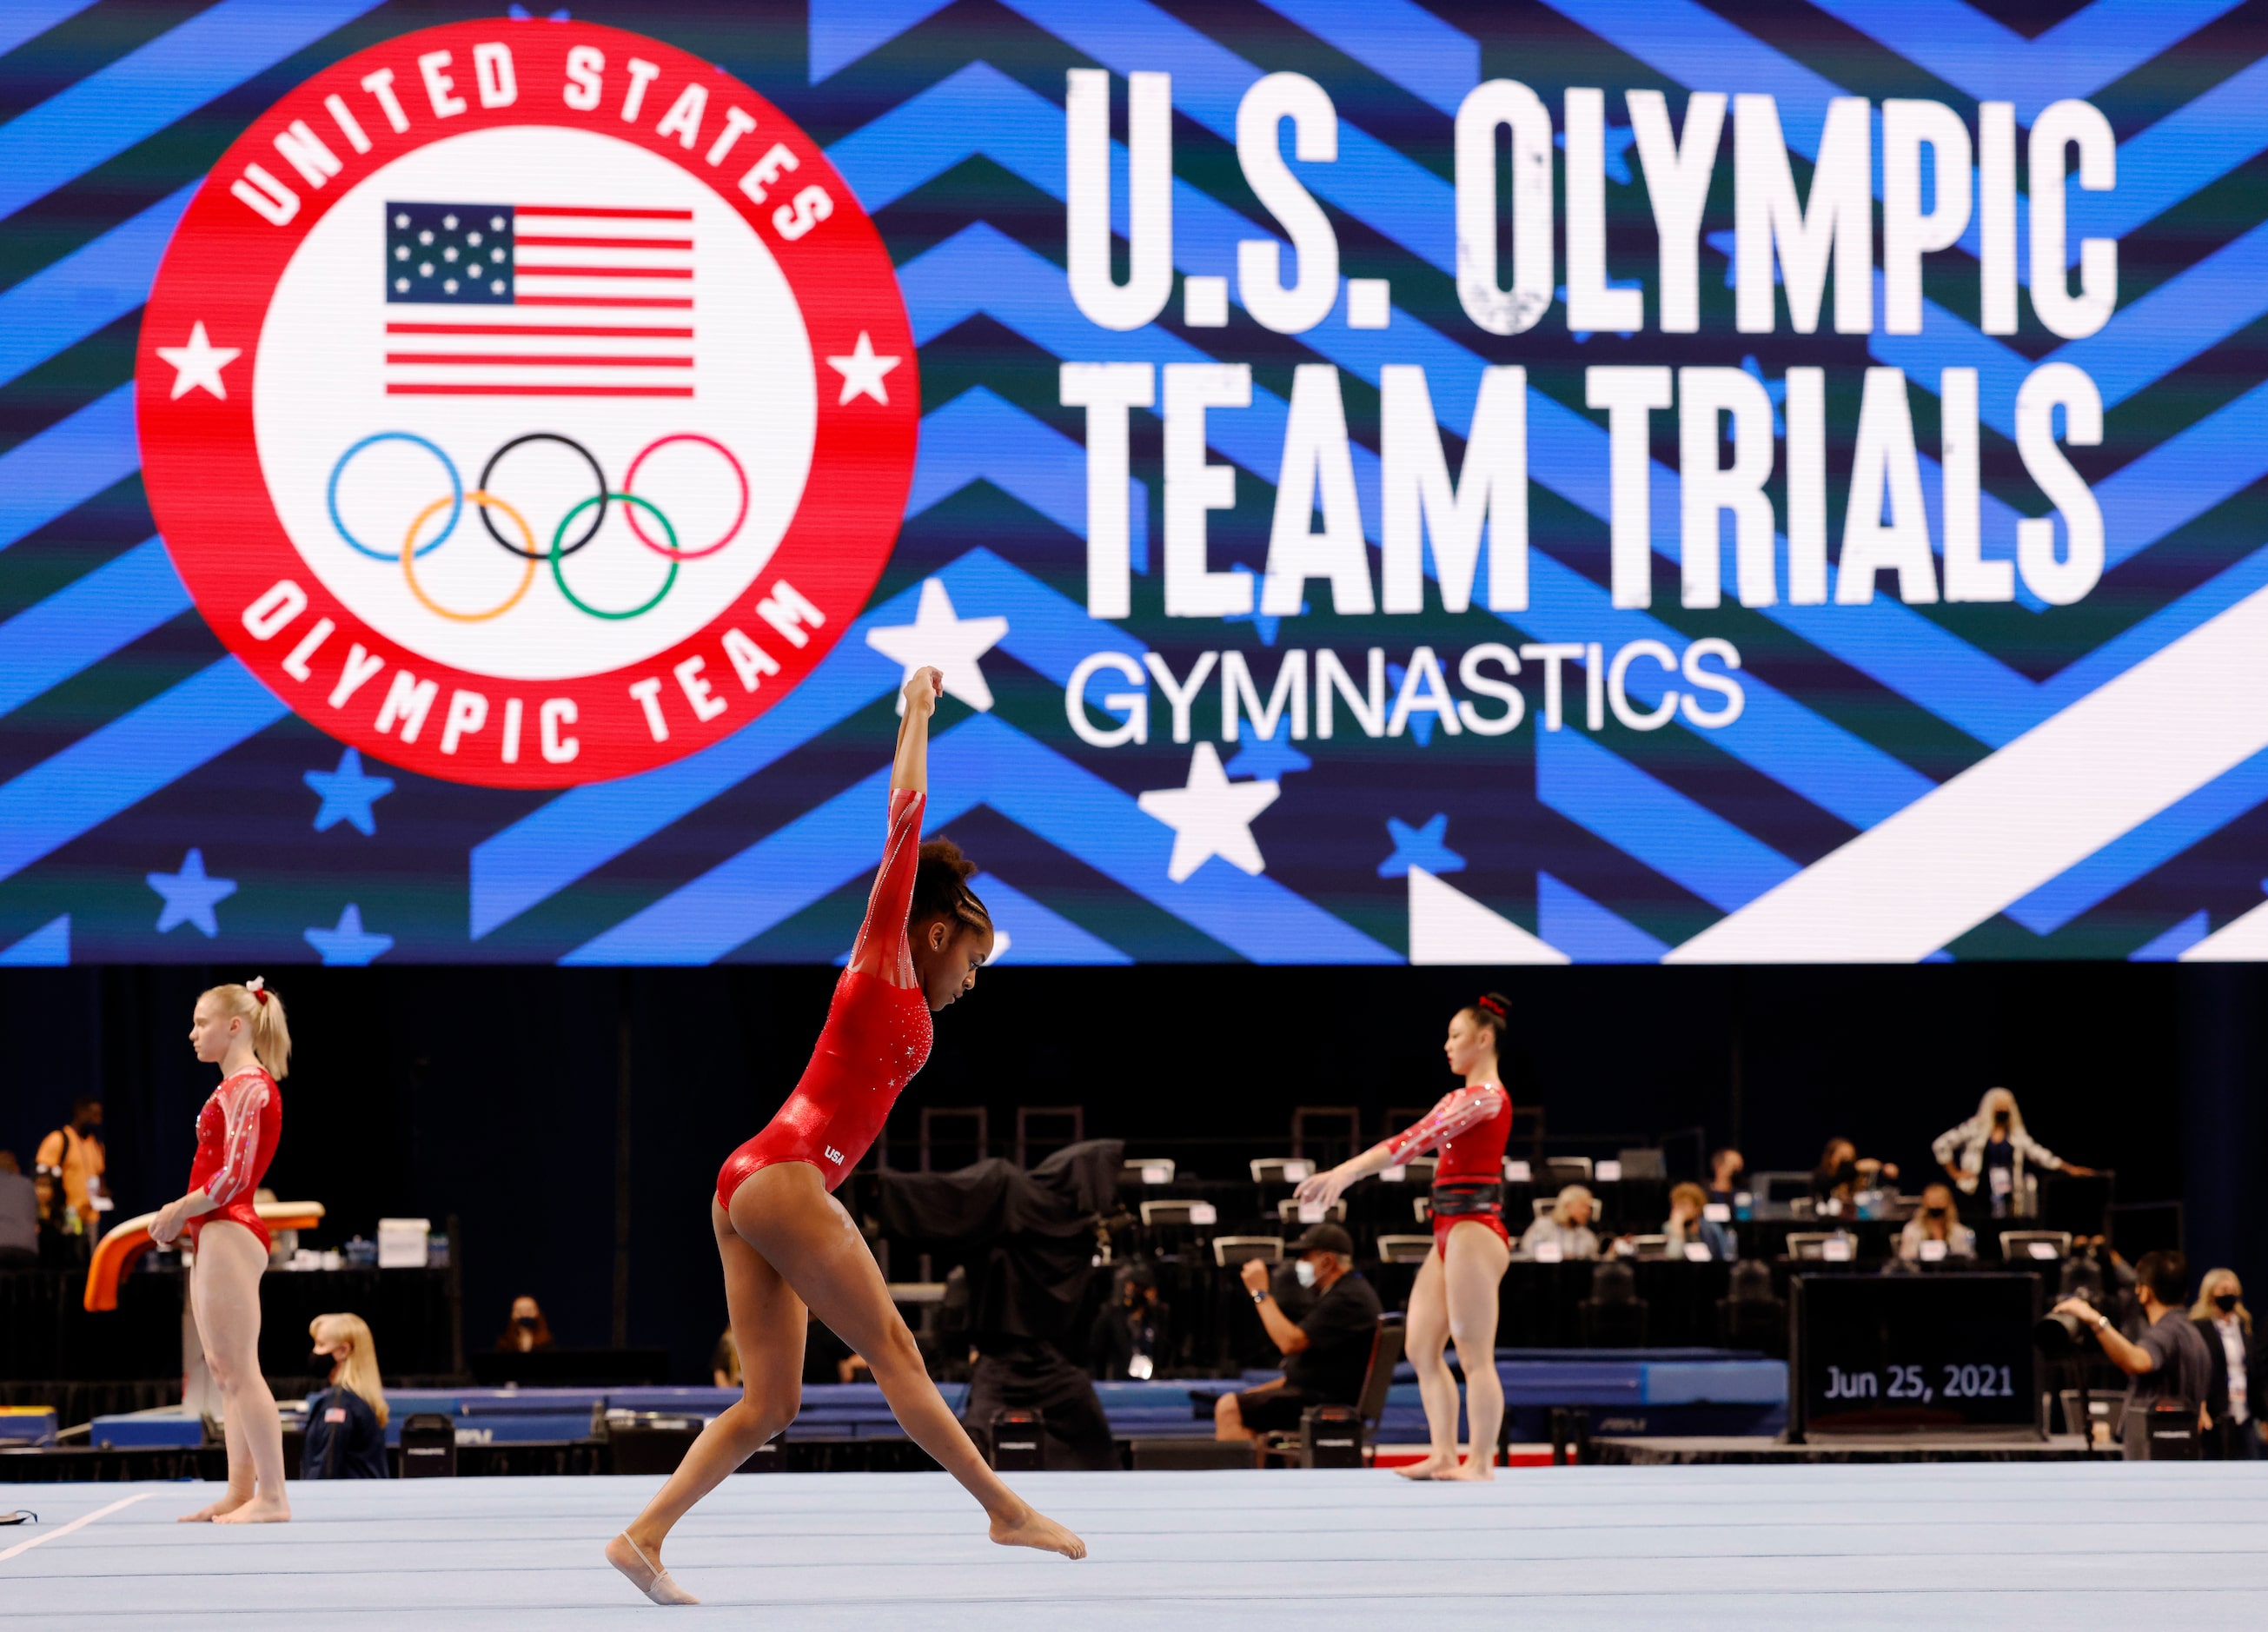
[228, 1504]
[1473, 1470]
[1036, 1529]
[259, 1510]
[645, 1570]
[1431, 1467]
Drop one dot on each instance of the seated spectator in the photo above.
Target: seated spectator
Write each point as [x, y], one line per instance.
[1843, 1172]
[1686, 1225]
[1567, 1226]
[724, 1362]
[19, 1217]
[1326, 1356]
[1128, 1338]
[1936, 1221]
[346, 1421]
[527, 1331]
[1728, 1175]
[2239, 1378]
[2170, 1362]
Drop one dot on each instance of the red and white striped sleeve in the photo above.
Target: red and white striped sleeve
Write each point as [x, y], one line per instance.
[1465, 1108]
[242, 1098]
[882, 949]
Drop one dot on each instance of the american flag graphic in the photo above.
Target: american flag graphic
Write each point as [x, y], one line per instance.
[538, 301]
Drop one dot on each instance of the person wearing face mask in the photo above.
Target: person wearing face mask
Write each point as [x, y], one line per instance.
[1128, 1338]
[2170, 1361]
[1936, 1221]
[527, 1331]
[346, 1421]
[73, 1157]
[1843, 1172]
[1325, 1354]
[1994, 1150]
[2239, 1378]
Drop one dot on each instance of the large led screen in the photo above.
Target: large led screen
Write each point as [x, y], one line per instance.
[1604, 481]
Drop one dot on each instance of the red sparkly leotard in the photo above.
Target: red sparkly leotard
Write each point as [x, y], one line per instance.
[237, 1133]
[876, 1037]
[1470, 1128]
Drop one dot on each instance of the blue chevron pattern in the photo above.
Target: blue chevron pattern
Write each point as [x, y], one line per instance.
[127, 736]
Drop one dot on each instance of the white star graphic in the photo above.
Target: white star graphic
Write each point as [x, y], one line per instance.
[938, 634]
[862, 371]
[1212, 816]
[199, 363]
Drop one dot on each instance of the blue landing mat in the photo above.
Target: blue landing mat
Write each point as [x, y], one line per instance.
[1698, 1390]
[1701, 1549]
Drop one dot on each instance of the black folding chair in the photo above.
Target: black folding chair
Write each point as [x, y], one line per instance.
[1290, 1449]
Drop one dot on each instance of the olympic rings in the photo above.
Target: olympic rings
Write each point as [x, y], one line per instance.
[559, 573]
[561, 546]
[629, 478]
[456, 492]
[486, 502]
[597, 475]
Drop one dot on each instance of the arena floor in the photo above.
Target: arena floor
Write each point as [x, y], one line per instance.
[1980, 1547]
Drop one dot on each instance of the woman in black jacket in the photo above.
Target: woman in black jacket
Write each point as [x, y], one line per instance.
[346, 1422]
[2239, 1390]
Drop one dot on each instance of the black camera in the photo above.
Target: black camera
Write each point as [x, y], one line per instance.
[2061, 1334]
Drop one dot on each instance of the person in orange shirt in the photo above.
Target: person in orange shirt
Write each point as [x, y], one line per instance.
[73, 1155]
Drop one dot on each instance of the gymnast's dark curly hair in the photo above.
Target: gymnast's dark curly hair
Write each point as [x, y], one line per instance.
[941, 887]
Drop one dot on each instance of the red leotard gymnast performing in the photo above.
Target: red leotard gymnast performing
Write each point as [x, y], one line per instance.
[1455, 1294]
[787, 1242]
[241, 1030]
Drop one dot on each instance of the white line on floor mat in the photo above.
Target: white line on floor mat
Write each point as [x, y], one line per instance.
[82, 1520]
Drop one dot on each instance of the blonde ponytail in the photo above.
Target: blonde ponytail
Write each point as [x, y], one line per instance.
[263, 1011]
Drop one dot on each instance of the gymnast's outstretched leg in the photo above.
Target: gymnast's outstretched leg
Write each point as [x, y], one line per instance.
[768, 1329]
[786, 1213]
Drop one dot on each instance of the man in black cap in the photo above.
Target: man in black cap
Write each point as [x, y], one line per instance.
[1326, 1353]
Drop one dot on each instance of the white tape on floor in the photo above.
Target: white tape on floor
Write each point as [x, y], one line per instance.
[82, 1520]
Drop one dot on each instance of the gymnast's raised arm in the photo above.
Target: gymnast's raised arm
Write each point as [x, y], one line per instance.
[910, 769]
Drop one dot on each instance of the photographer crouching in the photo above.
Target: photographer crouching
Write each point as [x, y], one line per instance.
[2170, 1361]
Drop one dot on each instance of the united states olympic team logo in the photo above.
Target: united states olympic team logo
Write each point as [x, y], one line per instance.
[527, 404]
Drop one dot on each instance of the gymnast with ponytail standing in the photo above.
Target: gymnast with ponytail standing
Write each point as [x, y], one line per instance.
[241, 1030]
[1454, 1298]
[787, 1243]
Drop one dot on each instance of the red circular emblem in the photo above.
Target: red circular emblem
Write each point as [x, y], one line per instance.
[527, 404]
